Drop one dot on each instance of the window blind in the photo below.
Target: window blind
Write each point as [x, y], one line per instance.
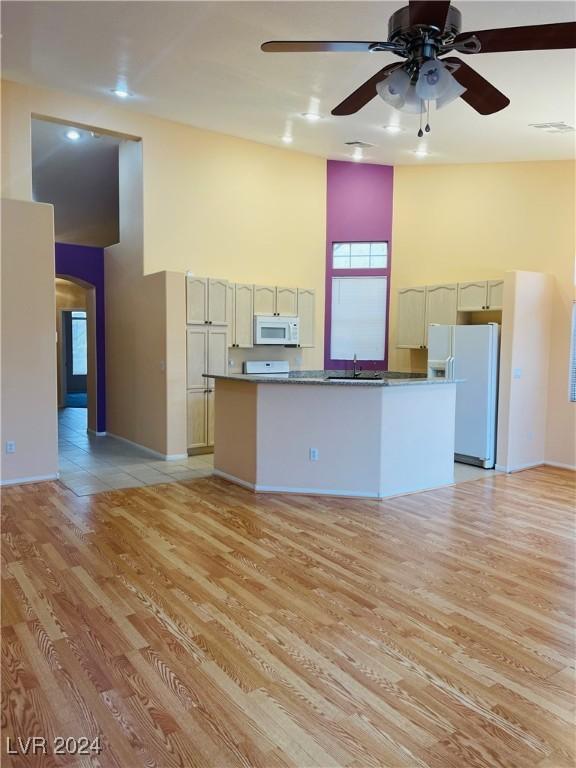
[573, 357]
[358, 318]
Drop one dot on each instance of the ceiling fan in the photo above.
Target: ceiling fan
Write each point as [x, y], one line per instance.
[422, 33]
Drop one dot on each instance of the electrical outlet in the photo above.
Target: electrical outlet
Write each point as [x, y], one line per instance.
[10, 446]
[314, 454]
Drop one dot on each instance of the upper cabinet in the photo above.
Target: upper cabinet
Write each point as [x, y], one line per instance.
[412, 318]
[495, 294]
[471, 296]
[264, 299]
[441, 303]
[243, 316]
[206, 301]
[275, 300]
[307, 315]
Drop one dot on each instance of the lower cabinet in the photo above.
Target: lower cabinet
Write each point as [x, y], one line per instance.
[197, 418]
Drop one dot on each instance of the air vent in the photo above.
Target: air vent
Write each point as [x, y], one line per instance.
[553, 127]
[360, 144]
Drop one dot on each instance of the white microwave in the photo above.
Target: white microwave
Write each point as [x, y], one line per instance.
[272, 329]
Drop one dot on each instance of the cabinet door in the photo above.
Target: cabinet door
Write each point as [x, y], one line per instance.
[231, 314]
[307, 315]
[411, 318]
[495, 295]
[217, 301]
[196, 300]
[471, 296]
[196, 418]
[217, 352]
[210, 417]
[244, 315]
[287, 301]
[196, 355]
[441, 302]
[264, 299]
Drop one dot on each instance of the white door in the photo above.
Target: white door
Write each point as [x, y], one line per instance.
[196, 300]
[471, 296]
[307, 315]
[287, 301]
[264, 299]
[439, 343]
[217, 351]
[196, 418]
[411, 329]
[495, 297]
[244, 315]
[196, 355]
[217, 301]
[475, 363]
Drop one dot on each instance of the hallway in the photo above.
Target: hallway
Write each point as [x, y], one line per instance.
[89, 464]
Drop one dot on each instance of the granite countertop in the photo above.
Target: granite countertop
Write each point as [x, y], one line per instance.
[344, 378]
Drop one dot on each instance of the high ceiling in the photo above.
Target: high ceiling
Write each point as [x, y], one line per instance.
[200, 63]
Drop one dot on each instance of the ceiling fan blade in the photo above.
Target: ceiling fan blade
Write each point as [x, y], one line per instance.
[322, 46]
[480, 94]
[364, 93]
[541, 37]
[432, 13]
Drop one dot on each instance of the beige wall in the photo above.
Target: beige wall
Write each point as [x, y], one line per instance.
[209, 203]
[464, 222]
[28, 398]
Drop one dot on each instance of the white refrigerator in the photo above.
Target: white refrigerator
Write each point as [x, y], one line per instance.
[470, 353]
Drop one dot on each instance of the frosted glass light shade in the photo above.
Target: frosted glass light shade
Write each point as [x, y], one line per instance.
[393, 89]
[412, 102]
[433, 80]
[454, 91]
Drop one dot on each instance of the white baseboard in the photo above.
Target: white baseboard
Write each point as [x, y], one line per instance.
[518, 468]
[560, 465]
[34, 479]
[286, 489]
[98, 434]
[164, 456]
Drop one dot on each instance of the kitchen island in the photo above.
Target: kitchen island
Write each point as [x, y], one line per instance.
[321, 432]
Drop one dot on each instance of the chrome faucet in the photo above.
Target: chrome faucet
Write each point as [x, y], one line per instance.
[355, 372]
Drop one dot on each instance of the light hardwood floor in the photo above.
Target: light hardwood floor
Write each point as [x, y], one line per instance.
[196, 624]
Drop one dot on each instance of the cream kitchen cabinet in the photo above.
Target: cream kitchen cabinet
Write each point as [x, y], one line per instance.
[197, 418]
[243, 316]
[206, 352]
[196, 356]
[441, 304]
[472, 296]
[307, 315]
[206, 301]
[411, 320]
[495, 294]
[275, 300]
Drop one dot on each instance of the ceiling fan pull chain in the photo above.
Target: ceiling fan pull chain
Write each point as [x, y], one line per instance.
[420, 131]
[427, 126]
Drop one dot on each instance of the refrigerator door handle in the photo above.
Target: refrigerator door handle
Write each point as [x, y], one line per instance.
[450, 367]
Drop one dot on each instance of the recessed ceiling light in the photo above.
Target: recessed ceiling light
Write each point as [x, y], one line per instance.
[421, 152]
[122, 93]
[72, 135]
[312, 117]
[358, 154]
[287, 139]
[393, 128]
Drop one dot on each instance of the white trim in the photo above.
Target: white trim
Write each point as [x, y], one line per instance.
[519, 468]
[234, 479]
[34, 479]
[560, 465]
[157, 454]
[98, 434]
[285, 489]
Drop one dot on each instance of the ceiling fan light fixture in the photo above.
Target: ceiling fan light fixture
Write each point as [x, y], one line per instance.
[412, 102]
[453, 92]
[394, 88]
[433, 80]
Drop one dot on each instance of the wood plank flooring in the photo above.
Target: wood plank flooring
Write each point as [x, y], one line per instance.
[198, 625]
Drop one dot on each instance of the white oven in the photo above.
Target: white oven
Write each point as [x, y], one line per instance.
[273, 329]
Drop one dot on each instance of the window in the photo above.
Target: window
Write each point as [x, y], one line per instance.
[358, 318]
[360, 255]
[79, 349]
[573, 357]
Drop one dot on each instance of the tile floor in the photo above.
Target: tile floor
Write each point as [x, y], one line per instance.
[90, 464]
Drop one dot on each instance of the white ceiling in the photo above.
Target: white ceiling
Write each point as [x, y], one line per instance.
[200, 63]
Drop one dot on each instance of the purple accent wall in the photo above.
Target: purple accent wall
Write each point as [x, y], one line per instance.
[359, 208]
[86, 263]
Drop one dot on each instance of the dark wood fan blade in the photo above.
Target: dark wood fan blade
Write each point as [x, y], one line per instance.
[322, 46]
[364, 93]
[480, 94]
[432, 13]
[541, 37]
